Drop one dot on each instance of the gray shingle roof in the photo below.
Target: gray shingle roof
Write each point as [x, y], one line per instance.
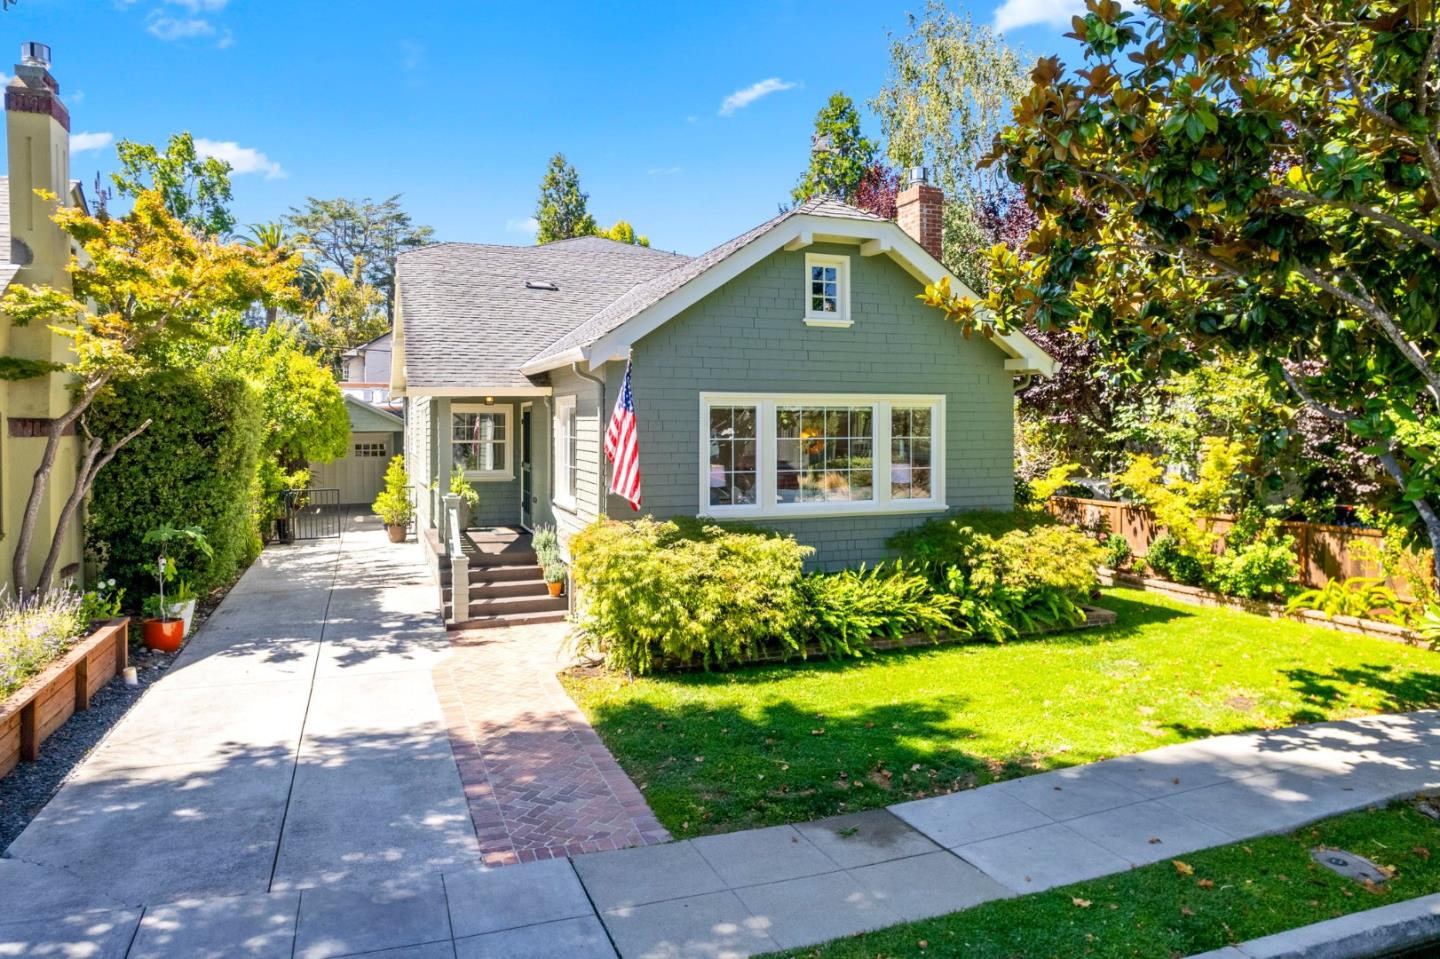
[470, 320]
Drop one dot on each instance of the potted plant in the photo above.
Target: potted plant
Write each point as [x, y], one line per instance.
[165, 622]
[555, 578]
[182, 603]
[545, 544]
[393, 504]
[469, 497]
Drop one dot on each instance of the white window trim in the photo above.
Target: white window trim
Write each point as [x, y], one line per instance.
[767, 504]
[842, 319]
[561, 453]
[505, 473]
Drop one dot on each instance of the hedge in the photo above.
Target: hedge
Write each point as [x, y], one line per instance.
[194, 465]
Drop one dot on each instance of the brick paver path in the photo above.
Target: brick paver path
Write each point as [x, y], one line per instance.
[541, 784]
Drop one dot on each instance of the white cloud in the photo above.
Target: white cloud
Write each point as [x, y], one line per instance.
[174, 28]
[662, 171]
[741, 99]
[80, 142]
[1051, 13]
[241, 159]
[528, 225]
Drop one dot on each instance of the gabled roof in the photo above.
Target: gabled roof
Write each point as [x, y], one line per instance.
[467, 318]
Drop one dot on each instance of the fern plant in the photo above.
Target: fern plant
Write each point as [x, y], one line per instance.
[1358, 596]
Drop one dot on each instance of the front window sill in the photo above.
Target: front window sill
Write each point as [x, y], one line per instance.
[823, 510]
[566, 505]
[829, 322]
[489, 476]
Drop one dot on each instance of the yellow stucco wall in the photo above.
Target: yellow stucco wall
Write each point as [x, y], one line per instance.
[38, 147]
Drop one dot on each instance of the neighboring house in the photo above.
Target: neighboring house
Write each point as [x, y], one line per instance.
[33, 250]
[366, 373]
[358, 476]
[788, 377]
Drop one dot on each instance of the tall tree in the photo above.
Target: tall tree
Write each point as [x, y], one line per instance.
[1258, 178]
[951, 88]
[146, 281]
[195, 189]
[841, 156]
[562, 212]
[347, 312]
[272, 239]
[342, 233]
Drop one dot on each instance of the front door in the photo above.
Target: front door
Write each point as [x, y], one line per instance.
[526, 519]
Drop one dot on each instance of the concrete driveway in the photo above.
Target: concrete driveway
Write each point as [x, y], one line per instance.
[296, 743]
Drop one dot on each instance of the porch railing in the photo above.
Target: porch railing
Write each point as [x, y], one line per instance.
[459, 562]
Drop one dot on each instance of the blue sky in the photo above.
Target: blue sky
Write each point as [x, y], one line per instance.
[690, 120]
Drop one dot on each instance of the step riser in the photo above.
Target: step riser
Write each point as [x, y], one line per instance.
[503, 606]
[483, 560]
[501, 588]
[494, 574]
[501, 622]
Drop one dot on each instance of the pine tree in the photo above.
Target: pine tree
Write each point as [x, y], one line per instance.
[562, 213]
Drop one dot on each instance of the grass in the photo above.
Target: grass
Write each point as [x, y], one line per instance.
[753, 747]
[1235, 893]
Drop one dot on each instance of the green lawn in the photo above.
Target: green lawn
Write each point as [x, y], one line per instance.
[777, 744]
[1236, 893]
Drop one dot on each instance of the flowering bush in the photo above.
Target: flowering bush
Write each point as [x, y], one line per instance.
[35, 633]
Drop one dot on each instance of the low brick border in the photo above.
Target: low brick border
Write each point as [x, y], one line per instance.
[33, 712]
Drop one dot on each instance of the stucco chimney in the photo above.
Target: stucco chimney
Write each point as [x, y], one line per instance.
[37, 131]
[919, 210]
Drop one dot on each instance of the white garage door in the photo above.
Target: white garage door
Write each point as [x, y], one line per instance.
[360, 475]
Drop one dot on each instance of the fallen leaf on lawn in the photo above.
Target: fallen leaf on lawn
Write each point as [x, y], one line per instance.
[1183, 868]
[1422, 852]
[1082, 903]
[1206, 883]
[818, 732]
[699, 759]
[923, 944]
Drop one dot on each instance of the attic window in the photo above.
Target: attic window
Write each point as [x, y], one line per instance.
[827, 290]
[549, 285]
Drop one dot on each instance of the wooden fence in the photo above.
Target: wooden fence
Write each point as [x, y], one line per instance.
[1324, 552]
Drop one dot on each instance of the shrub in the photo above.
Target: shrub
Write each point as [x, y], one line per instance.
[392, 504]
[194, 465]
[1116, 550]
[844, 611]
[1259, 561]
[686, 592]
[1167, 559]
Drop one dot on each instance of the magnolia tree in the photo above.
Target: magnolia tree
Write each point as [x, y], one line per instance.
[145, 282]
[1258, 178]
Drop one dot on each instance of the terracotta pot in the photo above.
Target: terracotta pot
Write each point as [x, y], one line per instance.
[166, 635]
[396, 531]
[556, 588]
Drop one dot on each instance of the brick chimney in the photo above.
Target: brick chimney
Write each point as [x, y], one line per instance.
[919, 209]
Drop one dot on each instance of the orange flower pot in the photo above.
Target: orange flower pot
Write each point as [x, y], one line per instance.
[556, 588]
[166, 635]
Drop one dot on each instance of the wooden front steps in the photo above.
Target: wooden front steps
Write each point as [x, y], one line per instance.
[506, 586]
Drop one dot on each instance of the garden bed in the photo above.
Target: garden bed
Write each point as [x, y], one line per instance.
[1200, 596]
[37, 709]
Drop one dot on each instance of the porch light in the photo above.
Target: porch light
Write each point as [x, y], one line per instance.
[489, 401]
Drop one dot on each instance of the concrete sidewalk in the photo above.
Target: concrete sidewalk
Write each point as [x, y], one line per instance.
[289, 790]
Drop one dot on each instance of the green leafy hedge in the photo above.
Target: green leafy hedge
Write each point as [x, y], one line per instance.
[684, 592]
[194, 466]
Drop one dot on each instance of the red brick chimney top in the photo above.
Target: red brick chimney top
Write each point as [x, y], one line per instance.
[919, 210]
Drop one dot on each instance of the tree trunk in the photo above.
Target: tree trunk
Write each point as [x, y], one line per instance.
[1428, 516]
[90, 469]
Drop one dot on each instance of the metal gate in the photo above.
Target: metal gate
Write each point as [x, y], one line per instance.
[311, 514]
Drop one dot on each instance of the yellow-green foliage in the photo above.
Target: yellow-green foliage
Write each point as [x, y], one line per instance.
[1184, 507]
[393, 504]
[1051, 483]
[685, 592]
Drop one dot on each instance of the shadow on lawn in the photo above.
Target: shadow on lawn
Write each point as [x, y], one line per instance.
[1403, 690]
[713, 768]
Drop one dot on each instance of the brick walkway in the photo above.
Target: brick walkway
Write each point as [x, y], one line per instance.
[541, 784]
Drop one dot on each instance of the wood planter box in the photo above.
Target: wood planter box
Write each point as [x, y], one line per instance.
[41, 706]
[1198, 596]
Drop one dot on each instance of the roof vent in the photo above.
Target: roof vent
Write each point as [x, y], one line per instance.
[34, 54]
[917, 175]
[542, 285]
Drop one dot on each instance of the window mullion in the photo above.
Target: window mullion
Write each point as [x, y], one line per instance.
[882, 453]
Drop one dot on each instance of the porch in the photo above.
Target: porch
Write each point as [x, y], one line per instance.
[489, 576]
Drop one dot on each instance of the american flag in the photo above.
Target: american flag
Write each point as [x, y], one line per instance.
[622, 447]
